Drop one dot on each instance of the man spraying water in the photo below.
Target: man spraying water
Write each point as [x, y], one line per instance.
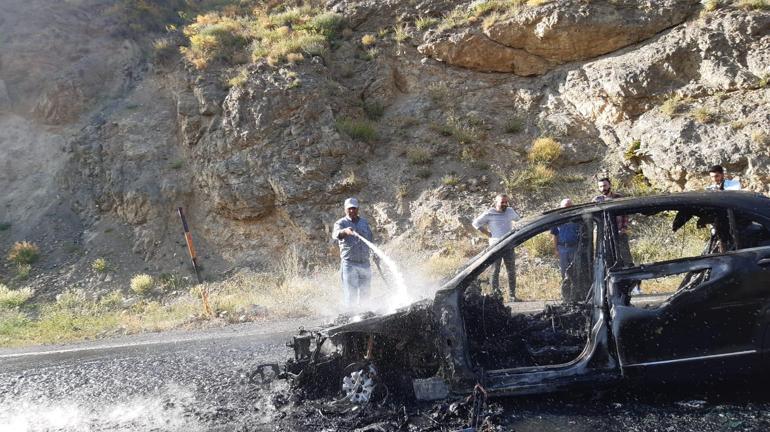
[354, 254]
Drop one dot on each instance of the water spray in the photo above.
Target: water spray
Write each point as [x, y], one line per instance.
[401, 296]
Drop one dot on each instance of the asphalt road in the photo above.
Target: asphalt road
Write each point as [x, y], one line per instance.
[171, 382]
[199, 381]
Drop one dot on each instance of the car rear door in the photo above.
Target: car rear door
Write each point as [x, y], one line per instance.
[712, 327]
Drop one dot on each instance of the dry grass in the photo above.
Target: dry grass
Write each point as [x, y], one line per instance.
[99, 265]
[287, 292]
[703, 115]
[368, 40]
[753, 4]
[545, 150]
[419, 156]
[424, 23]
[672, 105]
[10, 298]
[276, 37]
[142, 284]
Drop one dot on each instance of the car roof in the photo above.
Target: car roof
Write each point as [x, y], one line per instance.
[733, 199]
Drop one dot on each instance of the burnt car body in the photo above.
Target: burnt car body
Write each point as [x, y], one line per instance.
[713, 324]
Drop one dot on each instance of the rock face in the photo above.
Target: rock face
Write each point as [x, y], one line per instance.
[536, 39]
[692, 98]
[649, 89]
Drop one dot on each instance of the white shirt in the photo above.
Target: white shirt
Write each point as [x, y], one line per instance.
[498, 223]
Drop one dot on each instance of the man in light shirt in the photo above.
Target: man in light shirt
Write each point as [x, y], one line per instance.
[719, 182]
[495, 223]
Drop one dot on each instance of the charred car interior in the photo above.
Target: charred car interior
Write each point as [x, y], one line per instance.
[662, 288]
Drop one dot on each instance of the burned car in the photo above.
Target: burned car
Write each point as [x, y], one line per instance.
[663, 288]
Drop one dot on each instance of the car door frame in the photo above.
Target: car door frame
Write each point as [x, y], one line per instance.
[595, 366]
[702, 355]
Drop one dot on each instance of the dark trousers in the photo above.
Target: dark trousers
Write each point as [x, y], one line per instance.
[509, 258]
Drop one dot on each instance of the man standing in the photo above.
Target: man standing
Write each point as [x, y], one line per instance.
[719, 182]
[566, 239]
[495, 223]
[624, 249]
[354, 254]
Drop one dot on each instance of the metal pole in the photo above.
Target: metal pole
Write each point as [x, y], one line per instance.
[194, 259]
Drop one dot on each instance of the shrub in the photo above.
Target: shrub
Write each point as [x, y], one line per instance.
[631, 153]
[5, 226]
[545, 150]
[401, 33]
[14, 298]
[463, 129]
[710, 5]
[450, 180]
[760, 137]
[164, 50]
[374, 109]
[402, 190]
[514, 125]
[540, 246]
[24, 252]
[423, 173]
[327, 24]
[764, 81]
[672, 105]
[754, 4]
[361, 130]
[371, 54]
[418, 156]
[368, 40]
[271, 36]
[142, 284]
[423, 23]
[439, 92]
[22, 271]
[99, 265]
[530, 179]
[702, 115]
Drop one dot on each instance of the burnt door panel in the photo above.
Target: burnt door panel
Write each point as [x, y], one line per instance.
[716, 322]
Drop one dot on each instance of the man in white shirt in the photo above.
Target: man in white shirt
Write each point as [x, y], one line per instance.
[720, 182]
[495, 223]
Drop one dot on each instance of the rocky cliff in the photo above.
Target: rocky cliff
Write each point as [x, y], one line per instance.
[423, 109]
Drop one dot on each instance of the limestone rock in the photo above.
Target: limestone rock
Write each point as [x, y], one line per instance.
[473, 50]
[533, 41]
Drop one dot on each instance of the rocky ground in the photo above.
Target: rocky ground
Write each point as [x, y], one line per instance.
[205, 382]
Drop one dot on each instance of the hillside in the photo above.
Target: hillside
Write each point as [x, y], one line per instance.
[259, 118]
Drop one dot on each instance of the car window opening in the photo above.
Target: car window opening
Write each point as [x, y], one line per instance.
[543, 316]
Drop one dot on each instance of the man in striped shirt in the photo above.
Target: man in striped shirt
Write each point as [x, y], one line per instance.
[495, 223]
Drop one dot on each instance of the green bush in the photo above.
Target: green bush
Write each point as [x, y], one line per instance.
[142, 284]
[374, 109]
[361, 130]
[24, 252]
[514, 125]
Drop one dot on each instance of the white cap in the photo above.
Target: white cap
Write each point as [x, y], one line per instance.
[566, 202]
[351, 202]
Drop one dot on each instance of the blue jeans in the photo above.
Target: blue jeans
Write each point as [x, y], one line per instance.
[356, 280]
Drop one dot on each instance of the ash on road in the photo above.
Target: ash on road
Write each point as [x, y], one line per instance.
[204, 382]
